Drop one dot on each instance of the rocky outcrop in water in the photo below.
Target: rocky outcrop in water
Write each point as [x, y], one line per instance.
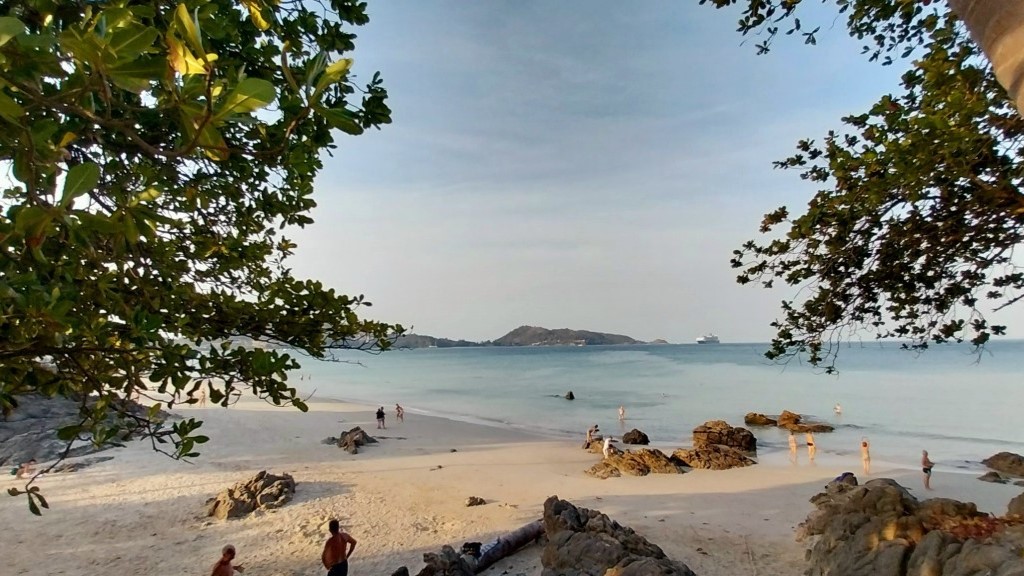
[1006, 462]
[634, 463]
[263, 491]
[880, 529]
[635, 436]
[584, 542]
[719, 432]
[756, 419]
[351, 441]
[794, 422]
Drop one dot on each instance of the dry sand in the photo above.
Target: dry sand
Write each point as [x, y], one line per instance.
[141, 513]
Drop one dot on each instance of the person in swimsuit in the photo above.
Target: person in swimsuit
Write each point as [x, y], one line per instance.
[865, 455]
[607, 451]
[26, 469]
[811, 449]
[622, 413]
[223, 566]
[926, 467]
[335, 557]
[399, 413]
[590, 436]
[792, 447]
[380, 419]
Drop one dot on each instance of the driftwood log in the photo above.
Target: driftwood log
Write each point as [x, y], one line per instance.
[507, 545]
[475, 558]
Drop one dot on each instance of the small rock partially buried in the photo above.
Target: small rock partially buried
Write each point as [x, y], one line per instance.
[475, 501]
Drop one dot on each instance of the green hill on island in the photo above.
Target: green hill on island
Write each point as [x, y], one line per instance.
[523, 336]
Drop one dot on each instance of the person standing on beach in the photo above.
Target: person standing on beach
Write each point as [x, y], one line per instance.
[792, 446]
[622, 413]
[223, 566]
[380, 419]
[838, 409]
[202, 395]
[399, 413]
[865, 455]
[590, 436]
[607, 450]
[811, 448]
[335, 557]
[926, 467]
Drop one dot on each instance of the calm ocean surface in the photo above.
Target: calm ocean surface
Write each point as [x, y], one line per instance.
[957, 405]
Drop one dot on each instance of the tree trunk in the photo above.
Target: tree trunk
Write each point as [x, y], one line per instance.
[998, 28]
[508, 544]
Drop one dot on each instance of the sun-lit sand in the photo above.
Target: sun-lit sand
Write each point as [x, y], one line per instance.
[142, 513]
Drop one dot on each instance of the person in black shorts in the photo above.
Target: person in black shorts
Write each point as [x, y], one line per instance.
[380, 419]
[926, 467]
[337, 550]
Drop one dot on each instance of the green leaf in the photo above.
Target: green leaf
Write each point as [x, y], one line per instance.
[341, 119]
[10, 27]
[249, 95]
[186, 25]
[333, 73]
[130, 42]
[9, 109]
[32, 507]
[80, 179]
[138, 75]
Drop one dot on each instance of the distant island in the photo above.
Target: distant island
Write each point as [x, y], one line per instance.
[525, 336]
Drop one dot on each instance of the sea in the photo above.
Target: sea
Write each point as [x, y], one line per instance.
[960, 404]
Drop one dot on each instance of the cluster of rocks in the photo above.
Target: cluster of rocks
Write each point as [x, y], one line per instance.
[718, 446]
[579, 542]
[30, 431]
[879, 529]
[635, 463]
[264, 491]
[351, 441]
[789, 420]
[1006, 462]
[583, 542]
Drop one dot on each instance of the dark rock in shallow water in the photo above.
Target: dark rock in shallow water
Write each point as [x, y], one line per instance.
[635, 436]
[756, 419]
[994, 477]
[569, 395]
[584, 542]
[1006, 462]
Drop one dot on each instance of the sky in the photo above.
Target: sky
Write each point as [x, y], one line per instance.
[571, 164]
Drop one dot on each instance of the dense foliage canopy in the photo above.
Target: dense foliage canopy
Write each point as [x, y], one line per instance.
[157, 153]
[913, 230]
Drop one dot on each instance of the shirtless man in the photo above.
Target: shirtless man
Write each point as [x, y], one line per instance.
[811, 448]
[792, 446]
[622, 413]
[865, 455]
[590, 436]
[26, 469]
[223, 566]
[926, 467]
[202, 396]
[334, 557]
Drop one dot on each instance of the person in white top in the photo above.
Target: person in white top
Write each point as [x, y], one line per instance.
[622, 413]
[837, 409]
[607, 447]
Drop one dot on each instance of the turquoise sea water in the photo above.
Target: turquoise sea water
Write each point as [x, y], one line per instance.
[958, 405]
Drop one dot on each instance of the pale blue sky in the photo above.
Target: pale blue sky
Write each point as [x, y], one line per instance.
[573, 164]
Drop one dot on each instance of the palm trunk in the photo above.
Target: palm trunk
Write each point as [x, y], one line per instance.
[998, 28]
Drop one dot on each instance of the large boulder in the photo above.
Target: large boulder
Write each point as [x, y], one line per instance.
[634, 463]
[757, 419]
[1016, 506]
[584, 542]
[264, 491]
[351, 441]
[879, 529]
[635, 436]
[720, 432]
[712, 457]
[795, 423]
[1006, 462]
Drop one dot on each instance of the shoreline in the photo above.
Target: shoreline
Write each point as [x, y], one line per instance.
[405, 496]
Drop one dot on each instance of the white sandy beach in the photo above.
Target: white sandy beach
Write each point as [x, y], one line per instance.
[141, 513]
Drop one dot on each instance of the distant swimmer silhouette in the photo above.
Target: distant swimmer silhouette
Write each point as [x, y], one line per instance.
[838, 409]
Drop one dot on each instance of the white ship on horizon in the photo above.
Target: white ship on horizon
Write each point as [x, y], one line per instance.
[708, 338]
